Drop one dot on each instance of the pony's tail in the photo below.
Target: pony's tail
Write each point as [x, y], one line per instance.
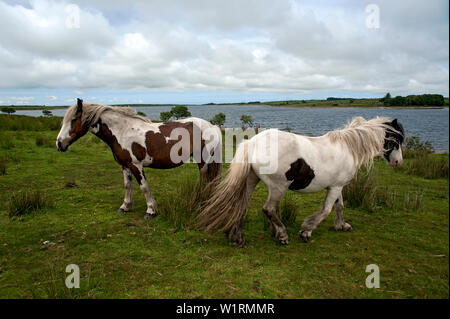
[229, 201]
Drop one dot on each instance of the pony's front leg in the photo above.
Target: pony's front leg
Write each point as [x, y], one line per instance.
[128, 199]
[339, 223]
[314, 220]
[151, 203]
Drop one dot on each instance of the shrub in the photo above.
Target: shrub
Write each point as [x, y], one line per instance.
[47, 112]
[246, 120]
[218, 119]
[413, 147]
[180, 111]
[165, 116]
[8, 110]
[26, 202]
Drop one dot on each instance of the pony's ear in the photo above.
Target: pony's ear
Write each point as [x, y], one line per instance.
[394, 123]
[79, 105]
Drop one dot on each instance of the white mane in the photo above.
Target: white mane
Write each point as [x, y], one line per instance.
[92, 112]
[364, 139]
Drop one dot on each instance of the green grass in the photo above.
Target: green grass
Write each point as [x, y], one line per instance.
[125, 256]
[27, 202]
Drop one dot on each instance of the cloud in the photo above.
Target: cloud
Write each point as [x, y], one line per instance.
[237, 46]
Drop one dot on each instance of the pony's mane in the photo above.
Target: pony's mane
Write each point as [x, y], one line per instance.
[92, 112]
[363, 138]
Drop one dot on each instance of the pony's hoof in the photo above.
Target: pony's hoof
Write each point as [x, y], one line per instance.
[305, 235]
[150, 216]
[345, 227]
[240, 243]
[284, 241]
[121, 210]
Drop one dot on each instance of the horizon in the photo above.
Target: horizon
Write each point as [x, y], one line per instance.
[223, 53]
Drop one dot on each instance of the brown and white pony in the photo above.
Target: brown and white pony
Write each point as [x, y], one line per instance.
[302, 164]
[136, 143]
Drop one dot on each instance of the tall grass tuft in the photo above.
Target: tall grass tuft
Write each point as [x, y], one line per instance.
[183, 207]
[3, 166]
[363, 192]
[430, 166]
[26, 202]
[42, 140]
[287, 210]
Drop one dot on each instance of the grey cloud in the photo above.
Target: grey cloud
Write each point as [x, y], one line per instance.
[270, 46]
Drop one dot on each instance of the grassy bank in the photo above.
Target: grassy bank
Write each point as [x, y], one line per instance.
[350, 102]
[123, 255]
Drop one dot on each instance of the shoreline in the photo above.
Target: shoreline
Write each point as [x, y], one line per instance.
[38, 108]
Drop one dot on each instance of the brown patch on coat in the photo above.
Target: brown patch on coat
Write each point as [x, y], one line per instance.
[300, 174]
[122, 156]
[158, 147]
[139, 151]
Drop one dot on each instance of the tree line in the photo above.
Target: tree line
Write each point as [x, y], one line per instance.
[414, 100]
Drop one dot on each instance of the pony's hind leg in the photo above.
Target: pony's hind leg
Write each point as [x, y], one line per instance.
[339, 223]
[311, 222]
[270, 209]
[235, 234]
[128, 199]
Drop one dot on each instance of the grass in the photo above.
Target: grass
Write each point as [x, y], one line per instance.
[125, 256]
[3, 166]
[430, 166]
[27, 202]
[182, 207]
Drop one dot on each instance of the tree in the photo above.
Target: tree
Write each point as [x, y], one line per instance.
[180, 111]
[47, 112]
[8, 110]
[246, 120]
[140, 113]
[165, 116]
[387, 99]
[218, 119]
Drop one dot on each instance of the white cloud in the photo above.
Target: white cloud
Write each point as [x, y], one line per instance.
[243, 46]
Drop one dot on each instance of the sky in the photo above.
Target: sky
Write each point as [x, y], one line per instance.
[203, 51]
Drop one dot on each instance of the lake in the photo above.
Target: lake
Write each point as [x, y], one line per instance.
[428, 124]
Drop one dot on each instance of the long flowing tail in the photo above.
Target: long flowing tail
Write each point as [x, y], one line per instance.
[228, 204]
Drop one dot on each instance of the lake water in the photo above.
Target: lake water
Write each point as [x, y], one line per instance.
[428, 124]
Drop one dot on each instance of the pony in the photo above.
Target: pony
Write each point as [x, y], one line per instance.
[136, 143]
[304, 164]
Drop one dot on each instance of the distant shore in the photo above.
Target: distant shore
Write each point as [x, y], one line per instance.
[37, 108]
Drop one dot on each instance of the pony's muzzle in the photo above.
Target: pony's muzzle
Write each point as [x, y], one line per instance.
[60, 146]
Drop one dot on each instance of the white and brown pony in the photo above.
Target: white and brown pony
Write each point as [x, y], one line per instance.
[136, 143]
[304, 164]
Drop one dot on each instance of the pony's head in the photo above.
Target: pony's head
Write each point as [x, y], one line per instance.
[393, 140]
[73, 127]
